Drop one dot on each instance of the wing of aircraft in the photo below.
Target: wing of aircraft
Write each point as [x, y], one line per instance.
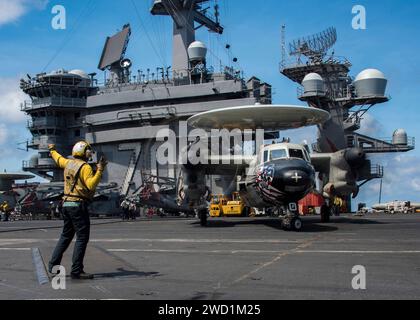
[341, 171]
[321, 161]
[228, 165]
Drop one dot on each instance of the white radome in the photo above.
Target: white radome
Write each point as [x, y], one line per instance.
[197, 51]
[312, 76]
[400, 131]
[400, 137]
[80, 73]
[370, 74]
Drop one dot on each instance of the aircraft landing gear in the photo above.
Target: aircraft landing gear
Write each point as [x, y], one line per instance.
[292, 220]
[292, 224]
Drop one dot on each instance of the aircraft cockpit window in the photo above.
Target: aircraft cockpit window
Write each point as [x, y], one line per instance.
[307, 156]
[265, 156]
[278, 154]
[296, 153]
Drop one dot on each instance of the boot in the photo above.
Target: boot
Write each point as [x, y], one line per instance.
[82, 276]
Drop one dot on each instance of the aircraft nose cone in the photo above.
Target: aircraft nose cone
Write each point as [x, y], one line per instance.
[292, 179]
[293, 176]
[297, 177]
[286, 180]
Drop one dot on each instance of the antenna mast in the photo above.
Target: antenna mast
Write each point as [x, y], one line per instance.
[185, 14]
[283, 46]
[314, 47]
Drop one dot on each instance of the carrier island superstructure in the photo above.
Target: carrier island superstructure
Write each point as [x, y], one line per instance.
[121, 118]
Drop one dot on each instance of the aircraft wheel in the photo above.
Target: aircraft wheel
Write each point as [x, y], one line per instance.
[286, 224]
[297, 224]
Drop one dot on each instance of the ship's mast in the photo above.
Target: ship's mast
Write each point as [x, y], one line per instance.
[185, 13]
[327, 85]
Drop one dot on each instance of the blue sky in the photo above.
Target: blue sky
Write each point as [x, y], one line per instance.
[391, 43]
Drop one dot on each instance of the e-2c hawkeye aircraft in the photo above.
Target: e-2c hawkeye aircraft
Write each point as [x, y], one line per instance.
[280, 174]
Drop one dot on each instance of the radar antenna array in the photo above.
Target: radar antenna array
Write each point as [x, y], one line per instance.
[115, 48]
[315, 46]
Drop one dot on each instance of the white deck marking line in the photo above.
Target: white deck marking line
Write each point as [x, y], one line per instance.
[193, 251]
[275, 241]
[12, 244]
[360, 251]
[265, 251]
[198, 240]
[244, 251]
[4, 242]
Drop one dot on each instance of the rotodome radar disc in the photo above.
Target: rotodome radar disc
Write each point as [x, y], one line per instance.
[267, 117]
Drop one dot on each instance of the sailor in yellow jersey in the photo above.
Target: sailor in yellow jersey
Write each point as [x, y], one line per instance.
[80, 183]
[6, 209]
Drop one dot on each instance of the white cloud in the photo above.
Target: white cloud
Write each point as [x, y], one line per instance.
[371, 127]
[415, 184]
[12, 125]
[12, 10]
[11, 97]
[3, 133]
[401, 171]
[401, 180]
[13, 139]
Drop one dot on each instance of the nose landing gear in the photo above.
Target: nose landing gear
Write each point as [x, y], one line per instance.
[292, 220]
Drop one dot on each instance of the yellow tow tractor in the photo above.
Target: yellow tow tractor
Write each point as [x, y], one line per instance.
[221, 206]
[216, 205]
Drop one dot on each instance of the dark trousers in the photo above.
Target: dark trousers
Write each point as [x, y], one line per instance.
[76, 221]
[132, 214]
[126, 214]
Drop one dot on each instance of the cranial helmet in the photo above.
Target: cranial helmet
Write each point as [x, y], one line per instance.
[80, 148]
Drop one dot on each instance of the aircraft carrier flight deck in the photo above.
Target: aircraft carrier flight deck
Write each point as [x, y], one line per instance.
[243, 258]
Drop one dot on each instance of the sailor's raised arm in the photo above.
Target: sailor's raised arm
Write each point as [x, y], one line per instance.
[58, 158]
